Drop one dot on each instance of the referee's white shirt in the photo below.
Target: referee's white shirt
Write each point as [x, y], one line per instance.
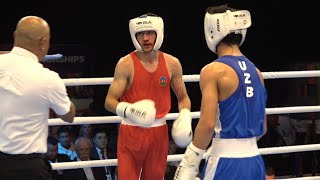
[27, 92]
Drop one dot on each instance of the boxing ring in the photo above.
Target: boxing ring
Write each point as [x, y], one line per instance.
[172, 116]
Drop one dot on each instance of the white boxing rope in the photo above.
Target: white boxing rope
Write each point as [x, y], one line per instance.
[83, 164]
[292, 109]
[172, 116]
[290, 149]
[301, 178]
[194, 78]
[265, 151]
[87, 81]
[291, 74]
[178, 157]
[86, 120]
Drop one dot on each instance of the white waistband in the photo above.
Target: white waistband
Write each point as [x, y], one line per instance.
[156, 123]
[234, 148]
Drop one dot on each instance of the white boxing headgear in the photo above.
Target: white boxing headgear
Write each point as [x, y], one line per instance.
[219, 25]
[147, 23]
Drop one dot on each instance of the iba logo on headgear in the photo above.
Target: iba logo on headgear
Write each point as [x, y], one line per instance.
[163, 81]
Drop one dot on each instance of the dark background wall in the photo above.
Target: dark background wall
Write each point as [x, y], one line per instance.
[281, 34]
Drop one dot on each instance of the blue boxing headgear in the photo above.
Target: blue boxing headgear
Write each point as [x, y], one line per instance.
[219, 25]
[147, 23]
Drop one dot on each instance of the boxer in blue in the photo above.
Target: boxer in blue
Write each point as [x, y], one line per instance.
[232, 107]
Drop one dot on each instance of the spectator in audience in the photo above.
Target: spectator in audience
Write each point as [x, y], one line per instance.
[171, 166]
[286, 129]
[65, 145]
[273, 138]
[270, 174]
[85, 130]
[82, 148]
[302, 126]
[53, 131]
[100, 151]
[52, 156]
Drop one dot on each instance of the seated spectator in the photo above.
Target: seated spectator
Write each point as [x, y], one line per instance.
[100, 151]
[171, 166]
[53, 131]
[65, 145]
[303, 133]
[270, 174]
[82, 148]
[52, 156]
[286, 129]
[85, 130]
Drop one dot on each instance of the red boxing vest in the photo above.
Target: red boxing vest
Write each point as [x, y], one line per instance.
[154, 86]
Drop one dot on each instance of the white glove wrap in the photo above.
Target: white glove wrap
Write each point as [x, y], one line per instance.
[188, 168]
[141, 113]
[182, 128]
[121, 109]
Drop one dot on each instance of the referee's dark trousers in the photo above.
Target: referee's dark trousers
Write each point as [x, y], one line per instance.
[24, 166]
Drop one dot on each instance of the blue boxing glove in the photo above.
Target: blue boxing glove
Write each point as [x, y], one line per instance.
[188, 168]
[182, 128]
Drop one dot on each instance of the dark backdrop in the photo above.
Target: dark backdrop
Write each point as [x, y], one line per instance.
[281, 34]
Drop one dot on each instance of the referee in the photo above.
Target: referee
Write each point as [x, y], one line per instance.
[27, 92]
